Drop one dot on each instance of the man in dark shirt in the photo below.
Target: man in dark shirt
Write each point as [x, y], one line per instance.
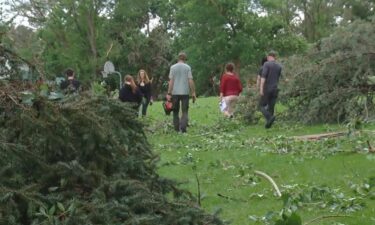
[71, 85]
[268, 88]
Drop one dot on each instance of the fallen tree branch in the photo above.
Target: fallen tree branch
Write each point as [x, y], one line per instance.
[314, 137]
[109, 50]
[323, 218]
[264, 175]
[231, 198]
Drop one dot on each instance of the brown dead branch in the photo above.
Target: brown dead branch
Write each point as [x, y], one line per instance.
[315, 137]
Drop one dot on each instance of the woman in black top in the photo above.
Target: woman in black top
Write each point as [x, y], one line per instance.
[130, 92]
[144, 85]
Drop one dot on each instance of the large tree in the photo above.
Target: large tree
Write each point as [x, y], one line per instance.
[84, 34]
[214, 32]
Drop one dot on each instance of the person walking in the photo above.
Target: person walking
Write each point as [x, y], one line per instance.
[268, 89]
[144, 85]
[130, 92]
[180, 85]
[230, 89]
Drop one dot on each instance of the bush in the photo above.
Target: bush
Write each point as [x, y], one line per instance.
[85, 160]
[248, 107]
[332, 82]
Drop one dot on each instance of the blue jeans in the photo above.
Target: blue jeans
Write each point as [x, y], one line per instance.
[180, 101]
[144, 105]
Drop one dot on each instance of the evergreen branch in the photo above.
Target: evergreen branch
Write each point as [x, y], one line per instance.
[25, 193]
[231, 198]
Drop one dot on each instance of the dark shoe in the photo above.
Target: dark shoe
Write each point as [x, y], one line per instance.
[270, 122]
[183, 130]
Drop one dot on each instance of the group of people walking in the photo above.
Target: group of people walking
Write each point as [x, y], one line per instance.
[139, 94]
[181, 86]
[181, 82]
[267, 85]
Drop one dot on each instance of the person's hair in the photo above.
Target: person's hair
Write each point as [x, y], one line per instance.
[264, 60]
[130, 79]
[182, 56]
[69, 72]
[229, 67]
[146, 79]
[272, 53]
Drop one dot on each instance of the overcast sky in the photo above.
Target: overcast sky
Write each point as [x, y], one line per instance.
[6, 14]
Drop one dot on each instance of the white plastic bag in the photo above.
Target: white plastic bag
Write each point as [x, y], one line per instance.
[222, 106]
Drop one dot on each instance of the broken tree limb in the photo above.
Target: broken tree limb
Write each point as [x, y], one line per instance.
[264, 175]
[314, 137]
[109, 50]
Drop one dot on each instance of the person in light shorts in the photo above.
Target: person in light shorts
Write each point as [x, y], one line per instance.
[230, 89]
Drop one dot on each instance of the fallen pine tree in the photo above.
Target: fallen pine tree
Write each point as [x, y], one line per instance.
[84, 160]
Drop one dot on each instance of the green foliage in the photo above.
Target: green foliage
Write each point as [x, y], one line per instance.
[248, 107]
[293, 219]
[331, 82]
[84, 160]
[330, 179]
[216, 32]
[355, 9]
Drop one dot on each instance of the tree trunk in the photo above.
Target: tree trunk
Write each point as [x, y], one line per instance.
[92, 39]
[237, 66]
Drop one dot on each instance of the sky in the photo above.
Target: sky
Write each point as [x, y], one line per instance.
[6, 14]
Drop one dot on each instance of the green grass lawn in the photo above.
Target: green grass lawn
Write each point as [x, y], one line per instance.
[317, 178]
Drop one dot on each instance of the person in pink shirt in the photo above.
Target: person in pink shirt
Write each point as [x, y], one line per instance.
[230, 89]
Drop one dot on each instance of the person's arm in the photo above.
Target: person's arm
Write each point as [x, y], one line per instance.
[192, 89]
[222, 84]
[170, 89]
[258, 81]
[263, 78]
[138, 95]
[148, 92]
[261, 88]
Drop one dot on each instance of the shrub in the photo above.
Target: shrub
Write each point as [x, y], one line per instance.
[84, 160]
[333, 81]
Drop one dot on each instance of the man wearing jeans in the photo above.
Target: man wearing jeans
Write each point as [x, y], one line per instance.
[270, 76]
[180, 85]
